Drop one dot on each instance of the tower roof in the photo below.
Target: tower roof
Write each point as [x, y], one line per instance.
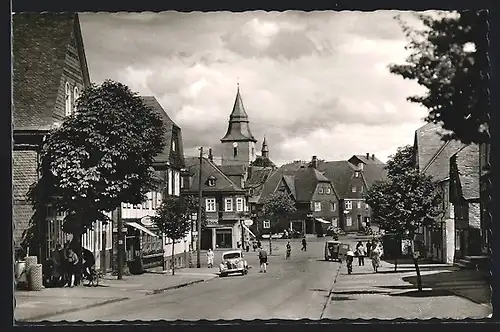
[239, 129]
[264, 145]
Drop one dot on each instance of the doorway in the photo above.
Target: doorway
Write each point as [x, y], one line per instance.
[206, 239]
[224, 238]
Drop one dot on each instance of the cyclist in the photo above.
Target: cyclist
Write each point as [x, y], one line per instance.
[88, 262]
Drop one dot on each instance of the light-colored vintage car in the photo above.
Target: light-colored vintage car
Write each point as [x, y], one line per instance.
[232, 262]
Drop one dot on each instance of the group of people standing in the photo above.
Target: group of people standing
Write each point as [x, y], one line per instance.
[65, 268]
[372, 249]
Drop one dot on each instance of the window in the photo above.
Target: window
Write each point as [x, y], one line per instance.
[177, 184]
[267, 224]
[211, 182]
[210, 205]
[253, 152]
[229, 204]
[76, 95]
[332, 206]
[239, 204]
[358, 203]
[348, 221]
[348, 205]
[353, 189]
[173, 145]
[317, 206]
[320, 191]
[170, 180]
[356, 174]
[335, 222]
[367, 206]
[328, 190]
[67, 95]
[361, 189]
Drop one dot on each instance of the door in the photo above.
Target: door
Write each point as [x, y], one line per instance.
[206, 239]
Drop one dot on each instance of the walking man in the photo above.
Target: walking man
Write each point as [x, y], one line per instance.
[263, 260]
[288, 250]
[304, 244]
[368, 248]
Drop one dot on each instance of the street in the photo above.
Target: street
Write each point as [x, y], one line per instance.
[303, 287]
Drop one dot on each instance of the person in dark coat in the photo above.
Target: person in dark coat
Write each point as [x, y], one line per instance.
[88, 261]
[304, 244]
[263, 260]
[368, 248]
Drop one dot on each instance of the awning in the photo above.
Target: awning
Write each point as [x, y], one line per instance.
[323, 221]
[140, 227]
[249, 231]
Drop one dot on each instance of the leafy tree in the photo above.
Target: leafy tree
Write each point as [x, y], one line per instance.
[173, 219]
[276, 207]
[405, 201]
[449, 57]
[98, 158]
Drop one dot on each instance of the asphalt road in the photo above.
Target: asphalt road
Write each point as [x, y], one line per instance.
[291, 289]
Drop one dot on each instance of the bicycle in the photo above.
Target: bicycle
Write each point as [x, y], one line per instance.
[92, 278]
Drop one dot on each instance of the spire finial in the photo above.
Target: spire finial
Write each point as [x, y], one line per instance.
[238, 83]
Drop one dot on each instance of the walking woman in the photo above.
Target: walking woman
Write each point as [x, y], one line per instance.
[375, 256]
[72, 266]
[210, 258]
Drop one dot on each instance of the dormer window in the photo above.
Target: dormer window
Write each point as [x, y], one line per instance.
[353, 189]
[211, 181]
[328, 191]
[320, 191]
[356, 174]
[173, 145]
[67, 99]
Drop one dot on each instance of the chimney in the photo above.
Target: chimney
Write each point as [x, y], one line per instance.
[373, 156]
[314, 162]
[210, 155]
[367, 155]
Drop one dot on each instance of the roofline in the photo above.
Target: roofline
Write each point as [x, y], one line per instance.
[83, 57]
[220, 171]
[433, 159]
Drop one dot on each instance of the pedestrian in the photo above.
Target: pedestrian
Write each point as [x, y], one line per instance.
[259, 245]
[304, 244]
[254, 244]
[247, 245]
[210, 258]
[349, 259]
[72, 266]
[360, 252]
[288, 250]
[263, 260]
[368, 248]
[375, 256]
[88, 262]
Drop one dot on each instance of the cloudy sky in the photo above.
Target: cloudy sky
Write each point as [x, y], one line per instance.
[313, 83]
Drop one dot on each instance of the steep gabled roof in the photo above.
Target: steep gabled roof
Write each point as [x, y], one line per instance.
[238, 129]
[233, 169]
[209, 169]
[367, 161]
[374, 172]
[169, 125]
[259, 176]
[290, 183]
[467, 164]
[340, 173]
[39, 46]
[433, 154]
[274, 179]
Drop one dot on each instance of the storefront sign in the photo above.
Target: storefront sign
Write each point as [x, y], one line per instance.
[248, 222]
[146, 221]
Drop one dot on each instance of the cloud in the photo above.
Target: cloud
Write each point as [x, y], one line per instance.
[309, 81]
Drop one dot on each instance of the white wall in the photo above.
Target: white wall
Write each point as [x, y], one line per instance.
[449, 241]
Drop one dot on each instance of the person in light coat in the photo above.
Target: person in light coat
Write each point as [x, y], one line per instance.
[210, 258]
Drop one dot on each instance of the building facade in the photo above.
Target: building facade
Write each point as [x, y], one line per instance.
[47, 80]
[485, 197]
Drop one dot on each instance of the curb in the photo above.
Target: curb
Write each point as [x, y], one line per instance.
[71, 310]
[161, 290]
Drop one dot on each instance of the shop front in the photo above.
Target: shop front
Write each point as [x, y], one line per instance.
[144, 247]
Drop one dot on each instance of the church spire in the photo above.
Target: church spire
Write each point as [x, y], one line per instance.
[238, 129]
[265, 149]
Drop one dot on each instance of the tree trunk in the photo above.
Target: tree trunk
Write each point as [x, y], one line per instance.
[172, 260]
[270, 244]
[417, 269]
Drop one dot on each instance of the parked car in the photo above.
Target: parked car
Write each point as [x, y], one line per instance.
[332, 230]
[232, 262]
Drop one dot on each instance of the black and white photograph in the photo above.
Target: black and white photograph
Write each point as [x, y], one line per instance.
[251, 165]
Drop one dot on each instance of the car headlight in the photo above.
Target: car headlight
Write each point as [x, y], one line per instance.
[222, 266]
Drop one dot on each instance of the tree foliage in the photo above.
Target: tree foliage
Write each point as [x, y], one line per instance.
[278, 205]
[192, 205]
[99, 157]
[173, 217]
[449, 57]
[407, 199]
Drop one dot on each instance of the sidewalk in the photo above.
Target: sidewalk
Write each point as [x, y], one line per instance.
[436, 278]
[35, 306]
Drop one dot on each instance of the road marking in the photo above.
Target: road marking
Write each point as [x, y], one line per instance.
[330, 293]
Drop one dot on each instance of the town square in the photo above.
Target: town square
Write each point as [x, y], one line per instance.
[256, 165]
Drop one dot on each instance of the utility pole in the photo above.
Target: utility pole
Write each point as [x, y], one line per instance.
[242, 235]
[120, 245]
[198, 247]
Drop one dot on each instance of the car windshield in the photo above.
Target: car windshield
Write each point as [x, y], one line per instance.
[332, 245]
[232, 255]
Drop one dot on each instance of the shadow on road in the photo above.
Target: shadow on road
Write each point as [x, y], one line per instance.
[362, 292]
[424, 293]
[341, 298]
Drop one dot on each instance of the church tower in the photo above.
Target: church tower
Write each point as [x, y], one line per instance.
[238, 145]
[265, 149]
